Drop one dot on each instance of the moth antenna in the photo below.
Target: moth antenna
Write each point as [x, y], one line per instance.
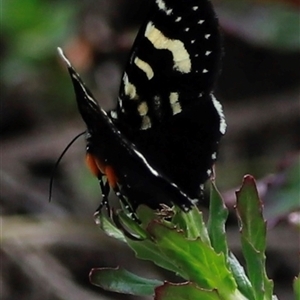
[58, 161]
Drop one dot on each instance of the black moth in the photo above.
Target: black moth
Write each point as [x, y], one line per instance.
[160, 142]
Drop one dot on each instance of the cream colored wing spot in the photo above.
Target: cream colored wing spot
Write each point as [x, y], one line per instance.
[146, 123]
[181, 57]
[162, 6]
[143, 109]
[145, 67]
[129, 88]
[175, 105]
[114, 114]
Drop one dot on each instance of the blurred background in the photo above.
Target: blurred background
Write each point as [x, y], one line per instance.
[48, 249]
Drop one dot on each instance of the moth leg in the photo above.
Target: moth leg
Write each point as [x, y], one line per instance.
[125, 203]
[121, 227]
[104, 186]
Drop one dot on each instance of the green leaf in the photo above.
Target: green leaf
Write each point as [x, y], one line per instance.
[197, 259]
[238, 272]
[296, 286]
[122, 281]
[253, 238]
[249, 208]
[146, 215]
[148, 250]
[108, 228]
[192, 224]
[218, 214]
[255, 267]
[184, 291]
[144, 249]
[132, 226]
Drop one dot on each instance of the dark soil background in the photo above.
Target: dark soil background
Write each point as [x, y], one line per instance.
[48, 249]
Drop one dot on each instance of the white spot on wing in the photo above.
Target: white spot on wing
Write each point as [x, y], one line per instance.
[144, 66]
[208, 172]
[195, 8]
[207, 36]
[178, 19]
[207, 53]
[205, 71]
[186, 29]
[129, 88]
[114, 114]
[201, 22]
[146, 123]
[162, 6]
[219, 109]
[120, 102]
[175, 105]
[181, 57]
[214, 156]
[143, 109]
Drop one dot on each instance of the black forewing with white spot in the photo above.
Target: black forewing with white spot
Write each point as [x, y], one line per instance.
[136, 179]
[174, 60]
[165, 104]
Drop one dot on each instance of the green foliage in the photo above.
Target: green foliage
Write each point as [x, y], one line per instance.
[122, 280]
[253, 238]
[181, 242]
[35, 27]
[31, 31]
[296, 286]
[218, 214]
[184, 291]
